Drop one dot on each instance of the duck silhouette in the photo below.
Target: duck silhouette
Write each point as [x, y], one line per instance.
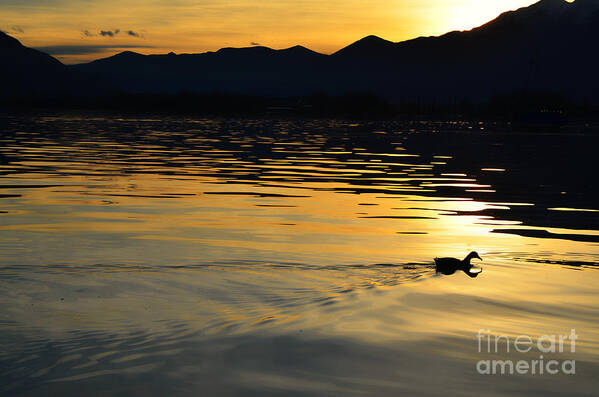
[449, 266]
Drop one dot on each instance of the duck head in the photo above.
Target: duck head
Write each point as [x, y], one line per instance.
[472, 255]
[468, 268]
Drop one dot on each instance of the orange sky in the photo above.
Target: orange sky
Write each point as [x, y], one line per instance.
[72, 29]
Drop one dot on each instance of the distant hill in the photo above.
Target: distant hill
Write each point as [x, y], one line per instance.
[252, 70]
[543, 47]
[25, 71]
[548, 47]
[370, 47]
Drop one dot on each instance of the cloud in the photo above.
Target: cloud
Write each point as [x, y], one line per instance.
[109, 33]
[85, 49]
[255, 43]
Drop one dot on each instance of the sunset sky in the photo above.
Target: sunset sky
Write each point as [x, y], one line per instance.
[81, 30]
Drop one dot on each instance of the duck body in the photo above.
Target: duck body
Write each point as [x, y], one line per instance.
[449, 266]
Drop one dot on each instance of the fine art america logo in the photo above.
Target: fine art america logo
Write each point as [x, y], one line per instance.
[548, 348]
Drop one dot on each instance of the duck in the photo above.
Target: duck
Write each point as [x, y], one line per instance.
[449, 266]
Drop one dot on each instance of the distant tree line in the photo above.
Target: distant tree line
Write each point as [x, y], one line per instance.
[532, 107]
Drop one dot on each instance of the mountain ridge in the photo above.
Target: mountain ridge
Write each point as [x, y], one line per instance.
[369, 40]
[526, 50]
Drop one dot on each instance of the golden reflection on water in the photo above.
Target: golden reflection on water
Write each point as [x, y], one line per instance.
[301, 204]
[180, 231]
[345, 228]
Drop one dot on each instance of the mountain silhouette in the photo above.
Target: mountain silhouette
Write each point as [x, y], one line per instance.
[546, 47]
[253, 70]
[26, 72]
[15, 55]
[368, 47]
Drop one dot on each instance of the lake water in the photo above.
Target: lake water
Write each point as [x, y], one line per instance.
[174, 256]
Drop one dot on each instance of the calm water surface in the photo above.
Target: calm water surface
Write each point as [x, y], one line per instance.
[175, 256]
